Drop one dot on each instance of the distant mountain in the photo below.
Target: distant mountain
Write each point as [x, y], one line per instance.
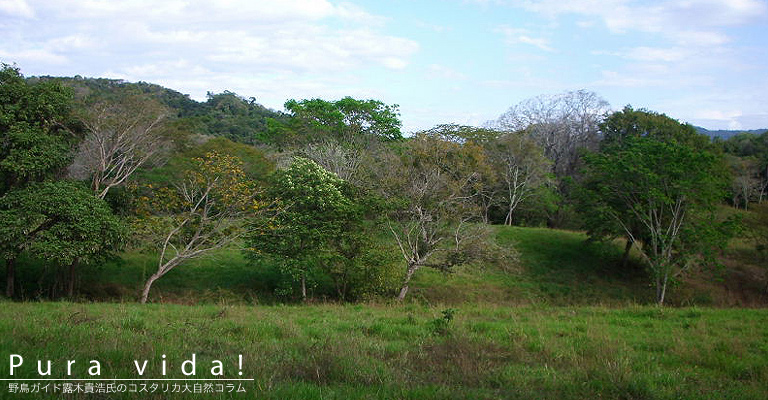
[726, 134]
[224, 114]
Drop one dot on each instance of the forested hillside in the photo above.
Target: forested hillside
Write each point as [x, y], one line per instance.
[115, 190]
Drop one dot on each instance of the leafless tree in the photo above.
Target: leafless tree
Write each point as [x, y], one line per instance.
[521, 167]
[121, 136]
[747, 184]
[343, 160]
[562, 124]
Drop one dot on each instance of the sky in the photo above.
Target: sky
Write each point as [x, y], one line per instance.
[441, 61]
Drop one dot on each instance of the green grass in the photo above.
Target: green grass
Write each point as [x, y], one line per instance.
[388, 352]
[565, 321]
[554, 267]
[224, 276]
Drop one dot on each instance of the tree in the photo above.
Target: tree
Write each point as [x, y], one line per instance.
[654, 182]
[347, 118]
[205, 210]
[122, 135]
[521, 167]
[346, 137]
[35, 134]
[746, 184]
[35, 137]
[339, 158]
[311, 213]
[59, 222]
[564, 125]
[432, 192]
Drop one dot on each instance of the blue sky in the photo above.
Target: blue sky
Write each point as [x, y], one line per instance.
[449, 61]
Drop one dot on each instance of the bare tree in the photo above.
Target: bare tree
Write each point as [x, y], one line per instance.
[343, 160]
[746, 184]
[562, 124]
[521, 166]
[121, 137]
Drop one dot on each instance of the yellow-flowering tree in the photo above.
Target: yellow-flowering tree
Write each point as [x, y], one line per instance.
[204, 211]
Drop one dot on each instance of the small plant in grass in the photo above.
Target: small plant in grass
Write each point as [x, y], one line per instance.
[442, 326]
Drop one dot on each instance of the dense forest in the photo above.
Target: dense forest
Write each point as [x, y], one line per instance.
[334, 201]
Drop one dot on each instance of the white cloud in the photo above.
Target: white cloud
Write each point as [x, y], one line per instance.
[32, 56]
[190, 41]
[16, 8]
[443, 72]
[523, 36]
[652, 54]
[687, 22]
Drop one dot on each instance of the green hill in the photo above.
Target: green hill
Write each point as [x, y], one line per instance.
[554, 267]
[223, 114]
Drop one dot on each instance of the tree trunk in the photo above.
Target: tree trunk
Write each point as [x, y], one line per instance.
[661, 289]
[10, 276]
[147, 286]
[71, 279]
[404, 290]
[625, 257]
[508, 219]
[303, 288]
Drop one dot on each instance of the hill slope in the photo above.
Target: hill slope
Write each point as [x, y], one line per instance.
[224, 114]
[726, 134]
[555, 267]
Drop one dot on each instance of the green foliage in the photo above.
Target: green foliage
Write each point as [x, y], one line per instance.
[758, 229]
[35, 139]
[630, 124]
[344, 120]
[442, 326]
[655, 182]
[255, 163]
[58, 222]
[228, 115]
[224, 114]
[311, 211]
[321, 237]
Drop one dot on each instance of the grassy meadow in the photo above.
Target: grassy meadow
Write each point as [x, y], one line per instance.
[407, 351]
[564, 321]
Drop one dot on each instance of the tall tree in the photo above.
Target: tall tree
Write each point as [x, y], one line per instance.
[346, 118]
[564, 125]
[35, 137]
[35, 134]
[521, 167]
[654, 182]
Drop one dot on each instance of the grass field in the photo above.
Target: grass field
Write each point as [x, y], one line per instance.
[564, 321]
[554, 267]
[404, 351]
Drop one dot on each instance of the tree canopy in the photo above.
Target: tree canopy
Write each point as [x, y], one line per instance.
[345, 119]
[35, 137]
[651, 183]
